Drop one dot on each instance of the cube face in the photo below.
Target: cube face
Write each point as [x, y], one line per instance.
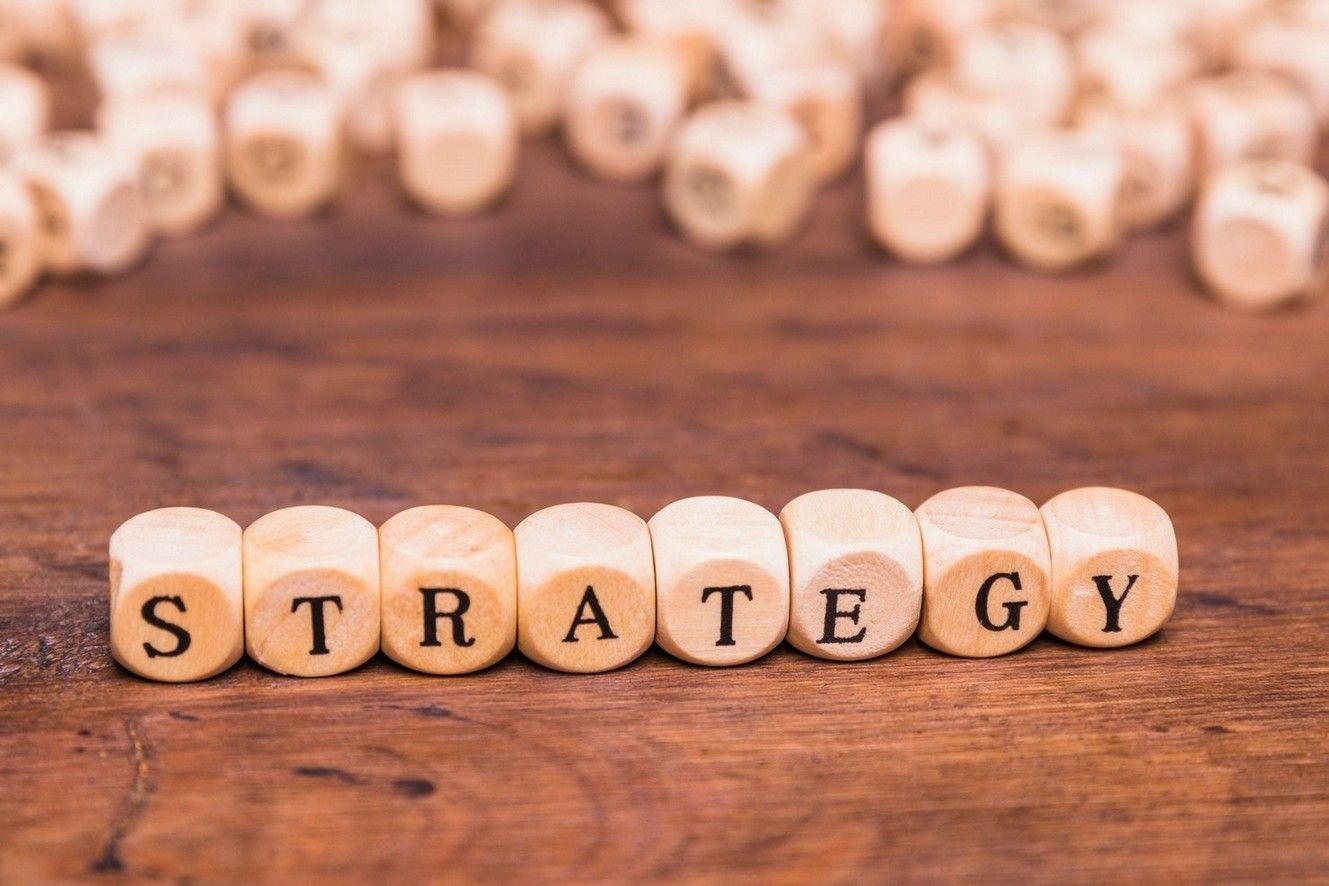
[1250, 115]
[1158, 158]
[987, 572]
[27, 109]
[449, 589]
[312, 600]
[1027, 64]
[722, 580]
[177, 611]
[20, 240]
[586, 588]
[826, 100]
[1114, 566]
[856, 573]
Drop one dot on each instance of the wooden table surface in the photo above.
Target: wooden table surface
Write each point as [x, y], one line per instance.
[569, 348]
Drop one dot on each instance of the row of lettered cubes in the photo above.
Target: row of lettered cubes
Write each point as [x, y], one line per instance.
[842, 574]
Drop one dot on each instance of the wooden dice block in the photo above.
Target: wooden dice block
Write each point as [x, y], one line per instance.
[928, 31]
[88, 202]
[177, 600]
[856, 32]
[1026, 64]
[1060, 16]
[1114, 566]
[20, 240]
[175, 138]
[1217, 24]
[586, 587]
[722, 580]
[986, 571]
[311, 591]
[1260, 233]
[457, 140]
[826, 98]
[1157, 147]
[25, 109]
[532, 48]
[624, 102]
[928, 189]
[687, 26]
[449, 588]
[936, 99]
[739, 173]
[855, 573]
[1291, 45]
[1120, 69]
[148, 60]
[1249, 115]
[284, 143]
[1057, 199]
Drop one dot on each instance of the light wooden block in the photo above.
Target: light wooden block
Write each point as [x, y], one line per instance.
[175, 138]
[177, 601]
[20, 240]
[1250, 115]
[855, 573]
[311, 591]
[25, 109]
[928, 31]
[739, 174]
[585, 587]
[1062, 16]
[1056, 199]
[449, 589]
[148, 60]
[986, 572]
[532, 47]
[687, 26]
[1293, 44]
[89, 204]
[1259, 234]
[1157, 147]
[269, 28]
[856, 32]
[365, 89]
[826, 98]
[1114, 566]
[928, 189]
[624, 102]
[284, 148]
[722, 580]
[457, 140]
[938, 100]
[1028, 65]
[1119, 68]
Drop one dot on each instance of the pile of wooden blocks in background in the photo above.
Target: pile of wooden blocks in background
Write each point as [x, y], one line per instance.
[843, 574]
[1066, 123]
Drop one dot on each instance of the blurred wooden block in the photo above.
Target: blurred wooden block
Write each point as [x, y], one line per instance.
[284, 149]
[25, 109]
[927, 32]
[1027, 65]
[1056, 203]
[1114, 566]
[687, 26]
[177, 601]
[175, 138]
[586, 587]
[457, 141]
[722, 580]
[20, 240]
[624, 101]
[1259, 234]
[937, 100]
[532, 47]
[148, 60]
[739, 174]
[986, 571]
[928, 189]
[449, 589]
[1291, 44]
[1158, 157]
[856, 32]
[855, 573]
[826, 98]
[1250, 115]
[88, 202]
[1121, 69]
[311, 591]
[1061, 16]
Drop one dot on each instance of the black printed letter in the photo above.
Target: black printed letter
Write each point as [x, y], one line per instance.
[316, 619]
[1012, 622]
[181, 635]
[1113, 604]
[833, 614]
[597, 617]
[432, 615]
[727, 610]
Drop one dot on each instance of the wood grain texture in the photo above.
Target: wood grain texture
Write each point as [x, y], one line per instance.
[568, 348]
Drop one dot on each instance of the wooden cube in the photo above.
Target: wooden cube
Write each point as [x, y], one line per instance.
[311, 591]
[855, 573]
[856, 32]
[457, 140]
[722, 580]
[88, 202]
[1028, 65]
[1249, 115]
[1114, 566]
[986, 571]
[1260, 232]
[1056, 203]
[25, 109]
[20, 240]
[938, 100]
[585, 587]
[1289, 44]
[687, 26]
[739, 174]
[1120, 69]
[284, 149]
[148, 60]
[1157, 147]
[177, 600]
[624, 101]
[826, 98]
[449, 589]
[175, 139]
[532, 47]
[928, 31]
[1061, 16]
[928, 189]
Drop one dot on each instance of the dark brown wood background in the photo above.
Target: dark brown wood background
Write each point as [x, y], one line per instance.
[569, 348]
